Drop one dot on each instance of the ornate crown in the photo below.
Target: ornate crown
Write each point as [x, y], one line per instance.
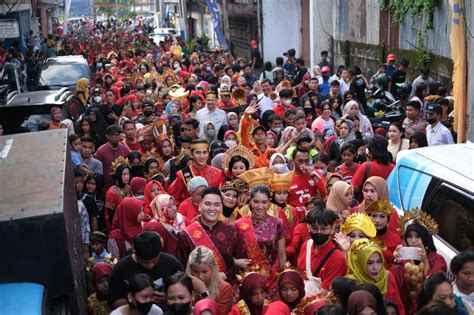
[151, 155]
[251, 269]
[184, 152]
[359, 221]
[418, 216]
[380, 206]
[257, 176]
[117, 162]
[178, 94]
[229, 186]
[281, 182]
[238, 150]
[362, 244]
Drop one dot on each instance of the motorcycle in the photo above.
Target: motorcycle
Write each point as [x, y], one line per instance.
[393, 112]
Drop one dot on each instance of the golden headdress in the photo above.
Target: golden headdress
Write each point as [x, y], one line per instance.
[281, 182]
[229, 186]
[117, 162]
[238, 150]
[418, 216]
[178, 94]
[239, 97]
[359, 221]
[362, 244]
[169, 73]
[182, 153]
[151, 155]
[257, 176]
[381, 206]
[251, 269]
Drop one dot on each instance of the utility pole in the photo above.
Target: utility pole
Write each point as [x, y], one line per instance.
[225, 19]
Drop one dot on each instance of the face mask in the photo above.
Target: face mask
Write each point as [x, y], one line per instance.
[286, 102]
[211, 132]
[308, 110]
[230, 143]
[143, 308]
[306, 82]
[208, 69]
[147, 113]
[322, 171]
[97, 99]
[176, 65]
[319, 238]
[280, 168]
[277, 130]
[179, 308]
[431, 121]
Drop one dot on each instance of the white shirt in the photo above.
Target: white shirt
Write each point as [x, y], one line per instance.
[217, 118]
[438, 135]
[265, 104]
[468, 300]
[155, 310]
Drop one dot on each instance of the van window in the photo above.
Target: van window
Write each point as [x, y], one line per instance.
[413, 187]
[453, 209]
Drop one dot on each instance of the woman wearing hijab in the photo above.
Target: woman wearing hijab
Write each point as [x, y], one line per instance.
[253, 296]
[164, 210]
[206, 306]
[411, 274]
[290, 288]
[125, 226]
[345, 136]
[67, 124]
[210, 132]
[362, 302]
[366, 265]
[97, 302]
[117, 192]
[76, 107]
[165, 148]
[352, 109]
[230, 200]
[98, 123]
[278, 164]
[152, 189]
[340, 198]
[375, 189]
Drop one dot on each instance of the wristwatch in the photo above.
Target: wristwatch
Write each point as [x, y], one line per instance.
[204, 295]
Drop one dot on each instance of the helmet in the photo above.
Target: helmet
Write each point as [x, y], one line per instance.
[378, 105]
[404, 89]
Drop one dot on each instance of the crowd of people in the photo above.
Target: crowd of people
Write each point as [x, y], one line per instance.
[208, 184]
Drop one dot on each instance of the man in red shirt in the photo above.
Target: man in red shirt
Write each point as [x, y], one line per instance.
[198, 167]
[327, 262]
[306, 182]
[284, 104]
[130, 131]
[108, 152]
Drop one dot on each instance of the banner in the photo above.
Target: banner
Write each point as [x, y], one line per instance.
[459, 56]
[213, 8]
[67, 8]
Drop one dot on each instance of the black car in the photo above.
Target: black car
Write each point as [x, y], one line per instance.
[62, 71]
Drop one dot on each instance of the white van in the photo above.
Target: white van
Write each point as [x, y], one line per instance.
[440, 181]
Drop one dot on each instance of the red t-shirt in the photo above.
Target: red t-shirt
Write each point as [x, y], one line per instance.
[376, 169]
[280, 110]
[188, 209]
[347, 173]
[302, 189]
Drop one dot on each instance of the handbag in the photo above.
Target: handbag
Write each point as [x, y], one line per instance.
[313, 284]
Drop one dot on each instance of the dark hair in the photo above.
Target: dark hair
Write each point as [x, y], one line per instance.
[289, 112]
[414, 104]
[238, 158]
[198, 141]
[398, 125]
[391, 304]
[192, 122]
[299, 149]
[87, 139]
[77, 173]
[300, 61]
[372, 289]
[318, 203]
[321, 217]
[139, 282]
[458, 262]
[350, 147]
[222, 130]
[436, 308]
[266, 81]
[332, 309]
[429, 288]
[128, 122]
[268, 66]
[324, 52]
[211, 191]
[279, 61]
[335, 83]
[342, 288]
[73, 137]
[405, 62]
[300, 116]
[425, 70]
[147, 245]
[263, 189]
[273, 118]
[303, 139]
[323, 158]
[43, 125]
[181, 278]
[377, 147]
[99, 181]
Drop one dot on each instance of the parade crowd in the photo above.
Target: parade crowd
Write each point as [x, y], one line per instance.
[209, 184]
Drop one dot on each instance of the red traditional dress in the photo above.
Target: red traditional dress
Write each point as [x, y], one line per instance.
[389, 241]
[179, 189]
[188, 209]
[113, 197]
[302, 189]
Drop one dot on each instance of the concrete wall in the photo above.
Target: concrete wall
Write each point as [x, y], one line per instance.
[470, 64]
[281, 24]
[321, 13]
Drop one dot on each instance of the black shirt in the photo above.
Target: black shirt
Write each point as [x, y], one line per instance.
[358, 88]
[397, 77]
[107, 110]
[259, 60]
[126, 268]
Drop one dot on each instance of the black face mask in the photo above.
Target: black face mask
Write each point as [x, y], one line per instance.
[431, 121]
[147, 113]
[319, 238]
[179, 308]
[143, 308]
[382, 231]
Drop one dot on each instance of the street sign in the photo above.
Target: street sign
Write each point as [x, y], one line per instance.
[9, 29]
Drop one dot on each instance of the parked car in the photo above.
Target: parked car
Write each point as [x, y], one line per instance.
[62, 71]
[160, 34]
[22, 112]
[440, 181]
[40, 228]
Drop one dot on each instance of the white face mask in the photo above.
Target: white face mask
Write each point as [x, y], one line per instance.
[230, 143]
[306, 82]
[97, 99]
[280, 168]
[277, 130]
[286, 102]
